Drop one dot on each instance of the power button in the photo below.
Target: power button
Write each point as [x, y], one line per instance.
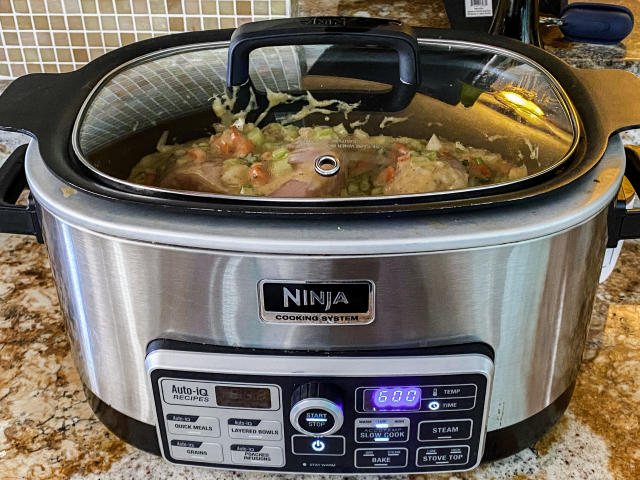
[305, 445]
[318, 445]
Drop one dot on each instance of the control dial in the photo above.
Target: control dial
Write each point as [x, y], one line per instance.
[316, 409]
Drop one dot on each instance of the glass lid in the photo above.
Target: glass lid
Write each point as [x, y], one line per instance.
[334, 121]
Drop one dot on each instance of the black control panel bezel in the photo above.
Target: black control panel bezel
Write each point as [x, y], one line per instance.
[296, 463]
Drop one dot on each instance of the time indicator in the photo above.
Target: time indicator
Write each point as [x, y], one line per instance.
[398, 399]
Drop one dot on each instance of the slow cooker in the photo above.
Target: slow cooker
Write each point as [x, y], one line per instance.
[390, 333]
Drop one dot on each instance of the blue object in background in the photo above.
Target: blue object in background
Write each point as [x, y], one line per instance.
[596, 23]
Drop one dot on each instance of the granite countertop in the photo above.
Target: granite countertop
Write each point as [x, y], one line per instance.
[47, 430]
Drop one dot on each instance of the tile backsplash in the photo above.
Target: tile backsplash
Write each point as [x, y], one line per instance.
[61, 35]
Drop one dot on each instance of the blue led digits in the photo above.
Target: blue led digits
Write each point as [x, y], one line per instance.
[396, 398]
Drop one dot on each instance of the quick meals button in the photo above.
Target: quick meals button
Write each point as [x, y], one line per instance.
[254, 428]
[257, 455]
[381, 457]
[435, 456]
[193, 425]
[196, 451]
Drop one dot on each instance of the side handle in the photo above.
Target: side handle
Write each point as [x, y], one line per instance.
[623, 222]
[16, 218]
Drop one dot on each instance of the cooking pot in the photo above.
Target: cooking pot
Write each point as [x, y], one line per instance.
[342, 332]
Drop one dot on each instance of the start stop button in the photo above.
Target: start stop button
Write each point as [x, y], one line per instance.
[316, 410]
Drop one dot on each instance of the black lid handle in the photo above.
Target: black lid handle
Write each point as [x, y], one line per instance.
[322, 30]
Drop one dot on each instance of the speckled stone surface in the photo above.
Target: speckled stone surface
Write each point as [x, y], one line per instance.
[47, 430]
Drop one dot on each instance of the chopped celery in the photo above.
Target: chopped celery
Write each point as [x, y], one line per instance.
[280, 154]
[256, 137]
[246, 190]
[478, 160]
[340, 130]
[280, 168]
[352, 189]
[376, 191]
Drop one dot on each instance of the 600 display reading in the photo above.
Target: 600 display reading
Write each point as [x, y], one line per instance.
[392, 398]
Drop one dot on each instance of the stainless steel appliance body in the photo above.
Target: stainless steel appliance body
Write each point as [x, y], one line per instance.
[520, 279]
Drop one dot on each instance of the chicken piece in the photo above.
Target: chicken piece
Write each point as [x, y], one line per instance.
[426, 176]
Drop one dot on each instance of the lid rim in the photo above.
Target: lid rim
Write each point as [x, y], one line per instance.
[319, 202]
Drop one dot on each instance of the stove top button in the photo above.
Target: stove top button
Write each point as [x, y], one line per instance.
[317, 409]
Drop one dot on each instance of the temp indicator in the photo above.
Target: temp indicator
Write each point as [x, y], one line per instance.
[397, 399]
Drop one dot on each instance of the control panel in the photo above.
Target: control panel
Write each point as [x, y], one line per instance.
[321, 414]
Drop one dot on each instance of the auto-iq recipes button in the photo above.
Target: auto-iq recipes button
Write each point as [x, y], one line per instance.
[306, 445]
[196, 451]
[193, 425]
[257, 455]
[254, 428]
[433, 430]
[433, 456]
[381, 457]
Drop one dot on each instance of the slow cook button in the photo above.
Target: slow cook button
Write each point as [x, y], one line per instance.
[445, 404]
[448, 391]
[305, 445]
[434, 456]
[255, 429]
[373, 430]
[433, 430]
[381, 457]
[196, 451]
[257, 455]
[193, 425]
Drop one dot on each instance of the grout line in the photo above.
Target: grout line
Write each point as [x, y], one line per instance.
[35, 39]
[66, 24]
[53, 40]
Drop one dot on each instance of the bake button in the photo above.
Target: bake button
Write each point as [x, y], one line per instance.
[193, 425]
[196, 451]
[434, 456]
[257, 455]
[305, 445]
[381, 457]
[254, 428]
[448, 391]
[433, 430]
[446, 404]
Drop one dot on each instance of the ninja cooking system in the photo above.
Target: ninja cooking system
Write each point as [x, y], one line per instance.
[327, 328]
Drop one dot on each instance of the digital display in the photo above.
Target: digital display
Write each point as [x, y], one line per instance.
[243, 397]
[392, 399]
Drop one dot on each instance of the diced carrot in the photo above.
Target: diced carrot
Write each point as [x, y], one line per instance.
[258, 175]
[505, 167]
[232, 142]
[444, 153]
[479, 170]
[149, 178]
[197, 154]
[400, 152]
[386, 175]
